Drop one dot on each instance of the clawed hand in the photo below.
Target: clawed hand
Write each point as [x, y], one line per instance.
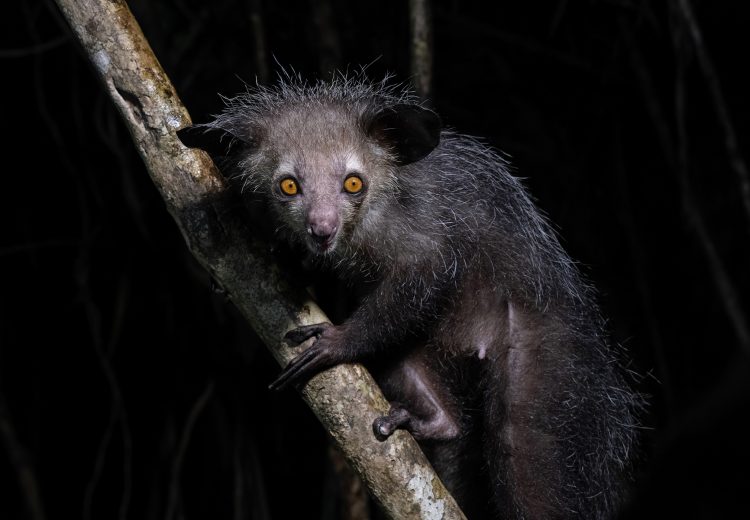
[323, 353]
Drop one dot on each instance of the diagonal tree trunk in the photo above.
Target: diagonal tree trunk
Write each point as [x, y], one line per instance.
[345, 398]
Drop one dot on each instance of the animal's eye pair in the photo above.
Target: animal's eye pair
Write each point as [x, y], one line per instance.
[353, 184]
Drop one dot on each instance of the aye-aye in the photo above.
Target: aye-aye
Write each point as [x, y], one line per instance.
[475, 322]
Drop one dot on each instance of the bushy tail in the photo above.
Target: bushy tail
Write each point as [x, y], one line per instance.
[559, 424]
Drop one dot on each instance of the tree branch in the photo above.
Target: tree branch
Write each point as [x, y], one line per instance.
[420, 26]
[326, 37]
[179, 457]
[736, 161]
[345, 398]
[257, 23]
[730, 298]
[20, 461]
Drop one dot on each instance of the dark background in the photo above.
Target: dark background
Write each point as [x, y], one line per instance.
[132, 390]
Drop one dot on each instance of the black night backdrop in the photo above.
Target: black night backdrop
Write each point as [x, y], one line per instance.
[130, 389]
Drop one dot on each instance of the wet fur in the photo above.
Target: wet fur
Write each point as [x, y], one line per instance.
[477, 323]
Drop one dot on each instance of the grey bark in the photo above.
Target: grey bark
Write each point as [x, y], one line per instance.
[345, 398]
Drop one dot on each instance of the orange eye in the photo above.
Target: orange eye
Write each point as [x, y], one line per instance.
[353, 184]
[289, 186]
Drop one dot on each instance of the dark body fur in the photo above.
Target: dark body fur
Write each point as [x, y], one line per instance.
[475, 322]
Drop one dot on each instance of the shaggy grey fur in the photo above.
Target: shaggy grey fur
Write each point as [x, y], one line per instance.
[473, 304]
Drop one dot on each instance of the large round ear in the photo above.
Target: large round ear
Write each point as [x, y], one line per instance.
[211, 140]
[214, 140]
[411, 131]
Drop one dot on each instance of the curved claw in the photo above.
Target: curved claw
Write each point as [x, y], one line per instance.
[300, 369]
[325, 352]
[301, 334]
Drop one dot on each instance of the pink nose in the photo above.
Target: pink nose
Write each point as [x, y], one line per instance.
[322, 224]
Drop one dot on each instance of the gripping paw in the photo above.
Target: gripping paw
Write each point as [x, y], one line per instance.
[384, 426]
[323, 353]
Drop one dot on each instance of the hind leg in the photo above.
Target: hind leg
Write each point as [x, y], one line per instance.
[435, 425]
[424, 404]
[420, 402]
